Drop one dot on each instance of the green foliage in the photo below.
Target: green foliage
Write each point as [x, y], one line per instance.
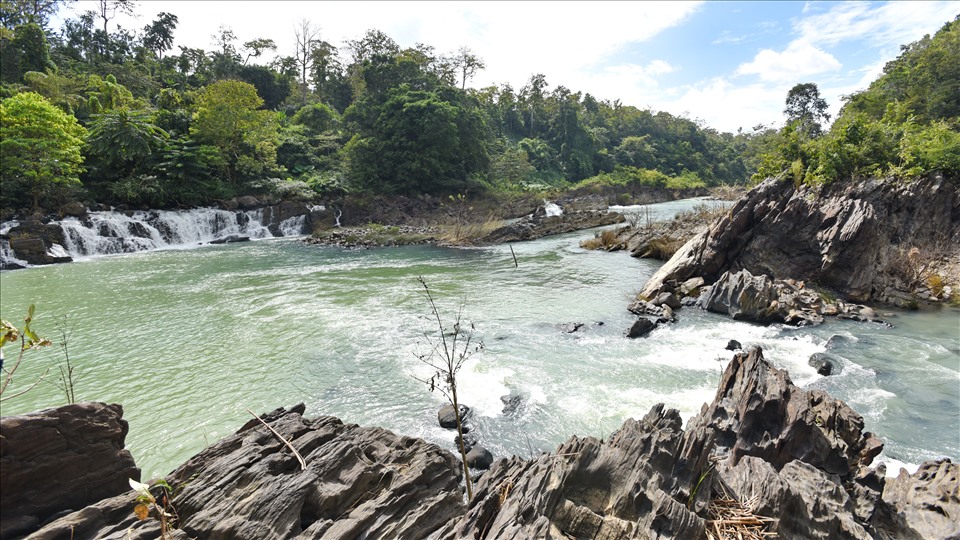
[229, 117]
[904, 124]
[39, 147]
[26, 340]
[317, 118]
[806, 109]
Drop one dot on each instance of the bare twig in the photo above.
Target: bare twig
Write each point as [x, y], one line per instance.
[303, 464]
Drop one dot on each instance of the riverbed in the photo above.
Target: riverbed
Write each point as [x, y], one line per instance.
[187, 340]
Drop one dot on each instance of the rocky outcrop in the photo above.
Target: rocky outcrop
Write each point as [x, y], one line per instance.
[872, 240]
[538, 225]
[358, 483]
[38, 243]
[929, 499]
[60, 459]
[791, 462]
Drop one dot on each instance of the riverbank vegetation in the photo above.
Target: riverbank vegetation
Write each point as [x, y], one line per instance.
[153, 126]
[904, 125]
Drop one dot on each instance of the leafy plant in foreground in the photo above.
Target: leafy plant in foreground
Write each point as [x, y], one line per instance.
[28, 340]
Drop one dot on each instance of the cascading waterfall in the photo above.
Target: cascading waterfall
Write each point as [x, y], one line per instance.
[109, 232]
[552, 209]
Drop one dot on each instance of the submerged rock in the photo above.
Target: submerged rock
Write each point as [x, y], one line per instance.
[641, 327]
[448, 418]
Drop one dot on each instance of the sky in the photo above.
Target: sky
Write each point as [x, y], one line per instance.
[726, 64]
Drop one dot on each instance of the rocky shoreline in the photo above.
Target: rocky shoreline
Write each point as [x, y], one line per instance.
[780, 459]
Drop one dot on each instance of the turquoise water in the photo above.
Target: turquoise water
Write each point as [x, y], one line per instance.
[187, 340]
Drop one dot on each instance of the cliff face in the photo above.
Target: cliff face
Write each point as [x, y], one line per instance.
[786, 460]
[867, 241]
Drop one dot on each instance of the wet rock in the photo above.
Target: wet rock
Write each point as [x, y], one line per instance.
[929, 499]
[469, 441]
[733, 345]
[511, 404]
[448, 418]
[690, 286]
[479, 458]
[641, 327]
[762, 299]
[570, 328]
[358, 483]
[58, 459]
[539, 225]
[825, 364]
[247, 202]
[667, 316]
[73, 209]
[642, 307]
[667, 299]
[838, 341]
[231, 239]
[37, 243]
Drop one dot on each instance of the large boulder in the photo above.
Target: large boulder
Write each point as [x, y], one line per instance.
[38, 243]
[863, 239]
[358, 483]
[761, 299]
[928, 499]
[60, 459]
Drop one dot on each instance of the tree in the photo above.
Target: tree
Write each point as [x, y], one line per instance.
[446, 355]
[39, 145]
[307, 36]
[122, 140]
[228, 117]
[16, 12]
[158, 35]
[107, 10]
[805, 106]
[468, 64]
[256, 47]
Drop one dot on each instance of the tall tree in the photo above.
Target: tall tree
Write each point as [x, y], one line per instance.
[107, 10]
[805, 107]
[467, 64]
[158, 35]
[16, 12]
[39, 146]
[307, 36]
[256, 47]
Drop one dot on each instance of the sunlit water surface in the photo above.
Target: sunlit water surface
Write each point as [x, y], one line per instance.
[187, 340]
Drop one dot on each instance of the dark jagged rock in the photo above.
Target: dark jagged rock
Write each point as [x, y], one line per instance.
[469, 441]
[58, 459]
[511, 404]
[733, 345]
[861, 239]
[929, 499]
[448, 418]
[570, 328]
[359, 483]
[34, 241]
[641, 327]
[231, 239]
[746, 297]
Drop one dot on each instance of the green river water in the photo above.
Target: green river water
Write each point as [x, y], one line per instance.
[186, 340]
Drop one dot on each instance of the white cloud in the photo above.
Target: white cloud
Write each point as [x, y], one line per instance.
[799, 60]
[725, 106]
[890, 22]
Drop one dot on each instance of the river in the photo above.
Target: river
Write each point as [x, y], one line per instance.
[187, 340]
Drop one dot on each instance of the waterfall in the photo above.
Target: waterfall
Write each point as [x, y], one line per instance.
[109, 232]
[552, 209]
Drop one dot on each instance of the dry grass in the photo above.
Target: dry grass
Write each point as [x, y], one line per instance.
[467, 232]
[730, 519]
[605, 240]
[663, 247]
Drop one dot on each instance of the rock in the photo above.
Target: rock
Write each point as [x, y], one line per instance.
[469, 441]
[759, 412]
[642, 307]
[838, 341]
[34, 242]
[62, 458]
[733, 345]
[570, 328]
[689, 301]
[358, 483]
[448, 418]
[824, 363]
[761, 299]
[667, 315]
[231, 239]
[73, 209]
[929, 499]
[667, 299]
[690, 286]
[641, 327]
[247, 202]
[511, 404]
[854, 237]
[479, 458]
[539, 225]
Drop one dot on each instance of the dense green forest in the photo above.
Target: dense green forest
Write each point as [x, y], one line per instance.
[95, 112]
[904, 125]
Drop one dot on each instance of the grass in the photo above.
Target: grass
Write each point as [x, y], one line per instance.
[463, 232]
[605, 240]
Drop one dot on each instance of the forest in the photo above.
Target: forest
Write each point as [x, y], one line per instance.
[95, 112]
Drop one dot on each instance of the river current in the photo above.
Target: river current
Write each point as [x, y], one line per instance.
[187, 340]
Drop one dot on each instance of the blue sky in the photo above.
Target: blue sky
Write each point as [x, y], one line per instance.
[728, 64]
